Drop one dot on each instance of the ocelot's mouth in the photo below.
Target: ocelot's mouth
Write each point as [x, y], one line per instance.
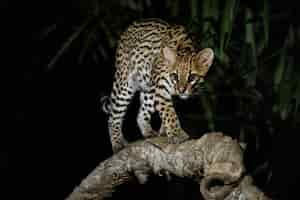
[183, 96]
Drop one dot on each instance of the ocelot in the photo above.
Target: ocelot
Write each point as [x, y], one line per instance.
[159, 60]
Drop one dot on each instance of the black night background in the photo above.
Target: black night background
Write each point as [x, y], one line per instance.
[252, 91]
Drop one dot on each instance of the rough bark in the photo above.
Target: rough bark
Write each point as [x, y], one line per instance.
[212, 157]
[246, 190]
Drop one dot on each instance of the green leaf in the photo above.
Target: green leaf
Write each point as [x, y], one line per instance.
[285, 96]
[279, 71]
[249, 34]
[194, 9]
[67, 44]
[265, 17]
[210, 10]
[47, 31]
[227, 21]
[250, 56]
[297, 97]
[264, 21]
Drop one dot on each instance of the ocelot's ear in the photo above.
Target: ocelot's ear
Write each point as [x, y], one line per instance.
[169, 55]
[205, 58]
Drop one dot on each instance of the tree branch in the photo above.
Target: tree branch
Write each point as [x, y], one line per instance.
[213, 156]
[246, 190]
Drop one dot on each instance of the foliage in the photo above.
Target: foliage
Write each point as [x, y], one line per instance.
[253, 87]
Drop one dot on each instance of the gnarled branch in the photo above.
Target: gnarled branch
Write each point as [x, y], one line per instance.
[213, 156]
[246, 190]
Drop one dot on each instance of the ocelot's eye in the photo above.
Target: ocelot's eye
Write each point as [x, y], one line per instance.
[201, 79]
[201, 82]
[193, 77]
[174, 77]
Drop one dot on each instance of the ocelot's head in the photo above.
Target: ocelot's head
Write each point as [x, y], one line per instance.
[188, 69]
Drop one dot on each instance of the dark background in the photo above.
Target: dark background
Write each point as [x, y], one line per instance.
[63, 133]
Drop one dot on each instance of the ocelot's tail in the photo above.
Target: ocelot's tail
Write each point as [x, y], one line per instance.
[105, 104]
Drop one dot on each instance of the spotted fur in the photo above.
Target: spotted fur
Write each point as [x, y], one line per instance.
[158, 60]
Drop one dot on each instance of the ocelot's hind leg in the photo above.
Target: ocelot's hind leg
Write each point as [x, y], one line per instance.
[121, 96]
[145, 112]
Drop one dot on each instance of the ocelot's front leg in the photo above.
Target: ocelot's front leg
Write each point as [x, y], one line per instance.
[170, 122]
[145, 112]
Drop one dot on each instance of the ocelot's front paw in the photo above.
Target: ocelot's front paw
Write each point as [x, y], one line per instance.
[150, 133]
[178, 138]
[117, 146]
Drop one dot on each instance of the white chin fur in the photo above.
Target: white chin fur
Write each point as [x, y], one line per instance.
[183, 96]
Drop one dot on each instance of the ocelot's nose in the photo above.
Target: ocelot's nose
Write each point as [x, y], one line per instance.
[181, 89]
